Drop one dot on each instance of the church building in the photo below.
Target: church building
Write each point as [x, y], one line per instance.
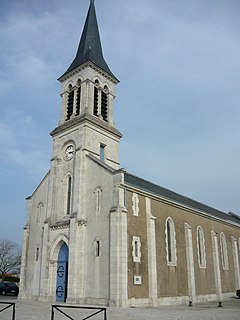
[97, 234]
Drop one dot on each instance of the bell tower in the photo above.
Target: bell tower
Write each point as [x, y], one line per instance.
[86, 127]
[88, 93]
[77, 209]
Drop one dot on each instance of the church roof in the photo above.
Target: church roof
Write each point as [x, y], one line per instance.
[90, 48]
[182, 200]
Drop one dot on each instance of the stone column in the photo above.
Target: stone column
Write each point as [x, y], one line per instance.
[64, 96]
[110, 110]
[236, 262]
[75, 89]
[152, 261]
[118, 257]
[80, 274]
[44, 274]
[216, 265]
[190, 263]
[72, 260]
[22, 291]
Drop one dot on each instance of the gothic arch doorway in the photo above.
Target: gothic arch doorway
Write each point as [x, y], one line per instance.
[62, 273]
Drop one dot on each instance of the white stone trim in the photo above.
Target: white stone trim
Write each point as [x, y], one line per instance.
[200, 238]
[135, 204]
[190, 262]
[236, 262]
[152, 260]
[136, 252]
[98, 199]
[224, 253]
[137, 280]
[173, 243]
[216, 264]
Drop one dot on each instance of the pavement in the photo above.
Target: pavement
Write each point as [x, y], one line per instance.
[35, 310]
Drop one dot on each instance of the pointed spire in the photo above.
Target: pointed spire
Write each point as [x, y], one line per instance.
[90, 48]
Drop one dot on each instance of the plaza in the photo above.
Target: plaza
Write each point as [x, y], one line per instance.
[35, 310]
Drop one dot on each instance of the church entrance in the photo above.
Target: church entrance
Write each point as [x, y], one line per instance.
[62, 274]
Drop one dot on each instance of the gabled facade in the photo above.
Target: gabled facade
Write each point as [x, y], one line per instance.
[96, 234]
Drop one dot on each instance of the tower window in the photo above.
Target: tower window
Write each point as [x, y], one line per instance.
[70, 103]
[69, 194]
[104, 104]
[102, 152]
[78, 100]
[95, 100]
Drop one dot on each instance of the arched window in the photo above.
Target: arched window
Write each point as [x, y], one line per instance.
[223, 245]
[70, 102]
[69, 194]
[98, 198]
[78, 100]
[201, 248]
[95, 100]
[39, 212]
[170, 242]
[104, 103]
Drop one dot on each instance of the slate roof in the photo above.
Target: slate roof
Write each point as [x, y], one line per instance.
[147, 186]
[90, 48]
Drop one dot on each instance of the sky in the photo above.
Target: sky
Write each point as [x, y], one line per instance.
[177, 105]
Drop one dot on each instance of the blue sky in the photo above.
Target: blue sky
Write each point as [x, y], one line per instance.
[177, 105]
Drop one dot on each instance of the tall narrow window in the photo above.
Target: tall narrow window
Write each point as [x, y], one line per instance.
[223, 245]
[136, 249]
[70, 103]
[97, 248]
[78, 100]
[201, 248]
[170, 242]
[69, 194]
[98, 195]
[37, 254]
[135, 204]
[104, 104]
[39, 212]
[102, 152]
[95, 100]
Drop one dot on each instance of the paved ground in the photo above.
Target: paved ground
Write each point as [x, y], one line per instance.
[32, 310]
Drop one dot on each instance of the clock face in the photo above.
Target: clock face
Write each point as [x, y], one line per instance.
[69, 152]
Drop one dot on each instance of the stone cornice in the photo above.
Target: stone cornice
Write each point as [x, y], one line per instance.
[60, 225]
[84, 66]
[89, 119]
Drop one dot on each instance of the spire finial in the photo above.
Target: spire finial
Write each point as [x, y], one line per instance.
[91, 1]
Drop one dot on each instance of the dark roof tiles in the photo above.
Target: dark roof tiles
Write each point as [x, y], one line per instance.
[90, 48]
[170, 195]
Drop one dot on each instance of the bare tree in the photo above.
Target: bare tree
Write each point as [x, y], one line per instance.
[10, 257]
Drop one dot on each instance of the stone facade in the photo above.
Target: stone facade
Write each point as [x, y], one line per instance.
[98, 235]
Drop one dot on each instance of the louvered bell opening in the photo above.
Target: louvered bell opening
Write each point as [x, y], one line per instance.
[70, 105]
[104, 106]
[78, 100]
[95, 107]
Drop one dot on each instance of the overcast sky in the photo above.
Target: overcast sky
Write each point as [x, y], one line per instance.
[177, 105]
